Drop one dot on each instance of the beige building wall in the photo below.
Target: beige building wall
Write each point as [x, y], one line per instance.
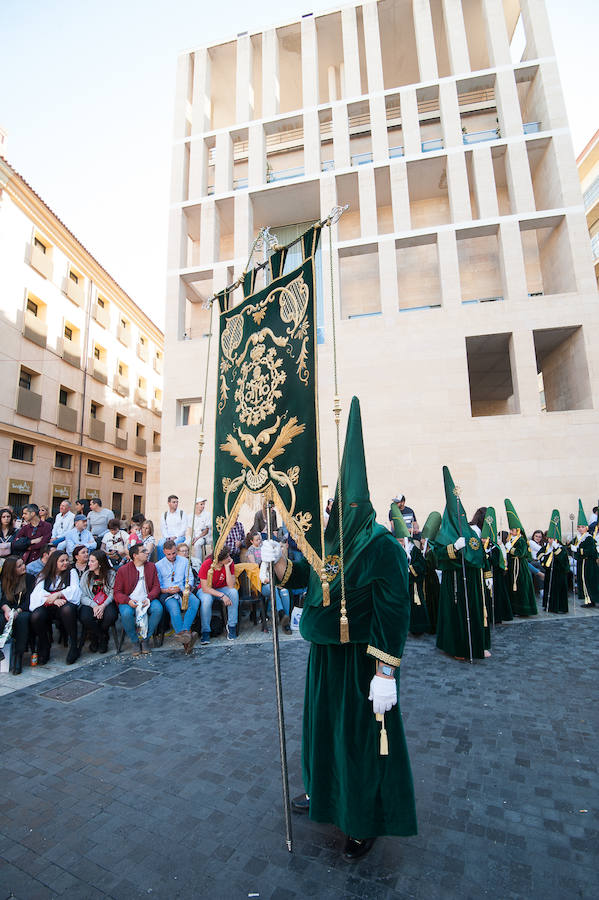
[81, 399]
[588, 171]
[465, 298]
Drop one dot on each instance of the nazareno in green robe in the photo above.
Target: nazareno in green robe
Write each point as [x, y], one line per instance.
[520, 587]
[431, 588]
[419, 621]
[555, 587]
[587, 570]
[452, 625]
[499, 609]
[350, 784]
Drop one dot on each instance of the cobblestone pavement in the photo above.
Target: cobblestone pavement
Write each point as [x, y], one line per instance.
[171, 788]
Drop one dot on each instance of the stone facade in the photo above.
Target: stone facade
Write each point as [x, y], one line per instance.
[464, 292]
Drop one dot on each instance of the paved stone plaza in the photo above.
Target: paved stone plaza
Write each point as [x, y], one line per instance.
[163, 780]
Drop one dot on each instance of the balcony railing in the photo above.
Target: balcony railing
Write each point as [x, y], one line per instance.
[360, 159]
[285, 174]
[591, 194]
[394, 152]
[29, 404]
[66, 418]
[120, 439]
[239, 184]
[482, 300]
[531, 127]
[101, 315]
[41, 261]
[434, 144]
[97, 429]
[34, 329]
[327, 165]
[476, 137]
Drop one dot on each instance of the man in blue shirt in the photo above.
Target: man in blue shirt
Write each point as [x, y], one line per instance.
[172, 573]
[78, 534]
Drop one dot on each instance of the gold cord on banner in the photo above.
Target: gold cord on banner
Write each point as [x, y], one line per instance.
[343, 620]
[187, 589]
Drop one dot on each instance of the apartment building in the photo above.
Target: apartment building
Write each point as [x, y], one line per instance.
[464, 292]
[81, 400]
[588, 171]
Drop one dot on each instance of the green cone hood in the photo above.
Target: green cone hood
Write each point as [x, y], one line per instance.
[455, 524]
[555, 526]
[431, 526]
[582, 519]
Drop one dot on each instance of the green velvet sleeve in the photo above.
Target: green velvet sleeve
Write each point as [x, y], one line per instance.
[390, 602]
[417, 563]
[520, 549]
[297, 575]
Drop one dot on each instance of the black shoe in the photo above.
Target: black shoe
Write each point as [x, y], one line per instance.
[301, 803]
[356, 849]
[73, 654]
[17, 663]
[103, 644]
[93, 646]
[43, 658]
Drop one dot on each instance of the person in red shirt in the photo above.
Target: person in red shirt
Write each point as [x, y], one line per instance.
[217, 579]
[33, 535]
[138, 581]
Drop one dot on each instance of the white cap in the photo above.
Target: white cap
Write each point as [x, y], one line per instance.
[201, 499]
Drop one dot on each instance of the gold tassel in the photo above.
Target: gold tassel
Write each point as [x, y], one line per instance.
[185, 598]
[384, 742]
[326, 593]
[343, 627]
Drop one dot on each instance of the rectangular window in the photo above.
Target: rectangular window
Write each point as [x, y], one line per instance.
[121, 369]
[93, 411]
[18, 501]
[93, 467]
[138, 477]
[136, 504]
[25, 380]
[96, 353]
[73, 276]
[190, 411]
[63, 397]
[31, 307]
[120, 421]
[118, 473]
[22, 451]
[142, 340]
[117, 504]
[123, 323]
[40, 245]
[139, 430]
[101, 303]
[68, 333]
[63, 460]
[491, 373]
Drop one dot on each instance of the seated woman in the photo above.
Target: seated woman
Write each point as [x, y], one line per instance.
[80, 560]
[537, 549]
[98, 611]
[254, 554]
[217, 579]
[16, 585]
[8, 529]
[147, 537]
[55, 598]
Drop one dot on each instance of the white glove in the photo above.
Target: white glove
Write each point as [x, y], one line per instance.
[271, 551]
[489, 583]
[201, 541]
[383, 693]
[264, 572]
[461, 542]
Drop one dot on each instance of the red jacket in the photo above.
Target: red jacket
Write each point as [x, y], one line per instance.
[127, 578]
[22, 540]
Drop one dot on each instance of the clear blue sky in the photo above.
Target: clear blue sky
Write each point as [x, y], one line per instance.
[87, 101]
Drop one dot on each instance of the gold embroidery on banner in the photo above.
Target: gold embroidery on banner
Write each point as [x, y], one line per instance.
[382, 656]
[286, 574]
[293, 302]
[451, 552]
[263, 438]
[331, 567]
[474, 543]
[256, 396]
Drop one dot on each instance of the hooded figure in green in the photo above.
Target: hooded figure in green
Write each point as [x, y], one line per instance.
[520, 586]
[461, 558]
[419, 622]
[556, 565]
[431, 581]
[587, 569]
[348, 780]
[498, 600]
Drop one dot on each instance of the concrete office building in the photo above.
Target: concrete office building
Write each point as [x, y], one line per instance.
[81, 400]
[588, 171]
[466, 301]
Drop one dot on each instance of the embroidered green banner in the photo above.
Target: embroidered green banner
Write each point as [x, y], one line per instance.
[266, 436]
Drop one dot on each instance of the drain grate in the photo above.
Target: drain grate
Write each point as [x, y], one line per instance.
[131, 678]
[72, 690]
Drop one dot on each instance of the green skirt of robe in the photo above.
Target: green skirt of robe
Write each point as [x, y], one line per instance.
[555, 593]
[520, 587]
[452, 626]
[587, 573]
[419, 621]
[431, 590]
[349, 784]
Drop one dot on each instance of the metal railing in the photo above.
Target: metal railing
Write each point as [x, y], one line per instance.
[476, 137]
[327, 165]
[359, 159]
[482, 300]
[240, 183]
[434, 144]
[285, 174]
[394, 152]
[591, 194]
[531, 127]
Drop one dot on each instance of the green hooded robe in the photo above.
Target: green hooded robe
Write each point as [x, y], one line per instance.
[457, 566]
[556, 564]
[520, 586]
[499, 609]
[349, 783]
[419, 622]
[587, 563]
[431, 581]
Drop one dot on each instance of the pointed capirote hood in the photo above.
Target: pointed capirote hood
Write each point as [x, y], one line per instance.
[400, 528]
[489, 529]
[582, 519]
[454, 524]
[431, 526]
[555, 526]
[359, 518]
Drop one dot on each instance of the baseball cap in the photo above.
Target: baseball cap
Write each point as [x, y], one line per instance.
[80, 518]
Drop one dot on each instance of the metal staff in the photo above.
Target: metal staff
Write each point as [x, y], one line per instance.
[279, 690]
[550, 581]
[465, 586]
